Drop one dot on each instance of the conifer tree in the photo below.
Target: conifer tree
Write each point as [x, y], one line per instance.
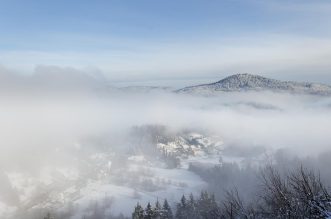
[166, 211]
[149, 211]
[157, 210]
[182, 209]
[204, 204]
[191, 207]
[138, 212]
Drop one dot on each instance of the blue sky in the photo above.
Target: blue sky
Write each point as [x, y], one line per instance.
[164, 39]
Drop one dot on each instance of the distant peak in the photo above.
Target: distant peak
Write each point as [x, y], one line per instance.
[250, 82]
[243, 76]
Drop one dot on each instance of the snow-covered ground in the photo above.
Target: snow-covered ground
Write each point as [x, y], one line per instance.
[136, 178]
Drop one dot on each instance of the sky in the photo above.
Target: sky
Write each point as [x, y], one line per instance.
[153, 40]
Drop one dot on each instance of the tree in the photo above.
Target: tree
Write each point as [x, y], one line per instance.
[203, 204]
[308, 190]
[166, 211]
[182, 209]
[149, 211]
[300, 194]
[214, 210]
[233, 206]
[138, 212]
[157, 210]
[276, 195]
[296, 194]
[206, 206]
[191, 207]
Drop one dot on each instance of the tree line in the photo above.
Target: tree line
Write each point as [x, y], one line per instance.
[298, 194]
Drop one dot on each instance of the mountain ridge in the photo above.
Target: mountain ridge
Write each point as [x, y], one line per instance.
[251, 82]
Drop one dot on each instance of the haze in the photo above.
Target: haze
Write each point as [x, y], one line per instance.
[94, 123]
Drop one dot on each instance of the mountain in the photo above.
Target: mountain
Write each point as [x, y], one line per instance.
[249, 82]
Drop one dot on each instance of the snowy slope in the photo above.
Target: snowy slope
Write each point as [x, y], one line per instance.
[113, 182]
[249, 82]
[122, 179]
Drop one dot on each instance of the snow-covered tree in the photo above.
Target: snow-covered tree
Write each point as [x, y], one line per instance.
[138, 212]
[157, 211]
[149, 212]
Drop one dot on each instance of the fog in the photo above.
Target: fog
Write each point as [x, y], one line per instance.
[58, 126]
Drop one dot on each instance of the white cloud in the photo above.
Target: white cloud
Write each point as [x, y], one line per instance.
[267, 54]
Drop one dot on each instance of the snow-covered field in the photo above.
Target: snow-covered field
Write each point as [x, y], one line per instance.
[137, 178]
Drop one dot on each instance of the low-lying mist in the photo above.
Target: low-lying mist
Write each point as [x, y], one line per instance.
[40, 124]
[57, 127]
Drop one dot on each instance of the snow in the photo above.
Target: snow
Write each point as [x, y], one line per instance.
[245, 82]
[182, 182]
[140, 179]
[137, 158]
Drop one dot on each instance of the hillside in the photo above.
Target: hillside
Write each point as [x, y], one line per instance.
[249, 82]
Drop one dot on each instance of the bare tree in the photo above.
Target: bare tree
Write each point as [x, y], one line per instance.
[299, 194]
[276, 194]
[234, 207]
[313, 199]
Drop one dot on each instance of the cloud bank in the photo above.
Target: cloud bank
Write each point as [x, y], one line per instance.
[39, 124]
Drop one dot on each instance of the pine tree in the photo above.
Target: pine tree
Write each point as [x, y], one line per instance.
[157, 210]
[191, 207]
[203, 204]
[166, 211]
[149, 211]
[182, 209]
[138, 212]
